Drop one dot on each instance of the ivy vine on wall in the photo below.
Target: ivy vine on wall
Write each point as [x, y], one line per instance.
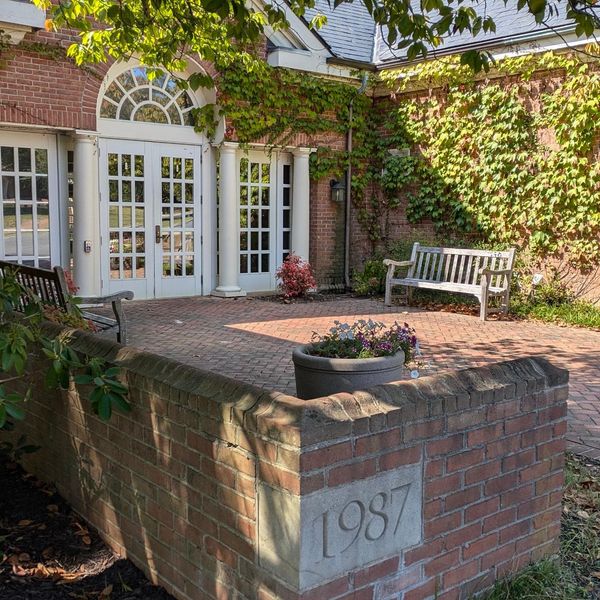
[501, 158]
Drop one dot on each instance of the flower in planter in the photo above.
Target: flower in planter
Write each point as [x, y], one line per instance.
[366, 339]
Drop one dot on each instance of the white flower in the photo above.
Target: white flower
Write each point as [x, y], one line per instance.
[414, 374]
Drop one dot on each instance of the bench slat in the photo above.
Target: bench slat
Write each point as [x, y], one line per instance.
[465, 251]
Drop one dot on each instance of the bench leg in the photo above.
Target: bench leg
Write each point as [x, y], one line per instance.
[409, 295]
[388, 293]
[121, 322]
[484, 301]
[506, 302]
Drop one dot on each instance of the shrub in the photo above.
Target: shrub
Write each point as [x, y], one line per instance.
[295, 277]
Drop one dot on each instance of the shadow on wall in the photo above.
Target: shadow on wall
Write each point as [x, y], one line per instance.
[172, 485]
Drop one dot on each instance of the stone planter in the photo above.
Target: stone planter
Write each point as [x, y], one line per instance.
[318, 376]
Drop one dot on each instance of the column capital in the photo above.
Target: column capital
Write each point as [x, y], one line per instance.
[302, 152]
[228, 147]
[82, 135]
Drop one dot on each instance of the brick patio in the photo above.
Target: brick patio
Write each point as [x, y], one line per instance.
[251, 339]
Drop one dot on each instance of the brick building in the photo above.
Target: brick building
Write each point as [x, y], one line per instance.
[103, 172]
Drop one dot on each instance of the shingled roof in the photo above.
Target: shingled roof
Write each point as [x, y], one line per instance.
[351, 33]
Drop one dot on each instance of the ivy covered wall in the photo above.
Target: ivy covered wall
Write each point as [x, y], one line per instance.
[512, 159]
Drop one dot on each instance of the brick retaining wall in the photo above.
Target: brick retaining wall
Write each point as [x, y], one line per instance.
[466, 467]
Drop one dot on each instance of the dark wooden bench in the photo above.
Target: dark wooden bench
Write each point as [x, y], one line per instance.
[50, 286]
[481, 273]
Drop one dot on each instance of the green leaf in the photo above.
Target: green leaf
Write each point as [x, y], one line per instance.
[105, 407]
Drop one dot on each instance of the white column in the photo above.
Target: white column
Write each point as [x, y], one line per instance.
[229, 237]
[301, 203]
[86, 234]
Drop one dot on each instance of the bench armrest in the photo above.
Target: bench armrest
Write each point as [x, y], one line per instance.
[103, 299]
[398, 263]
[115, 300]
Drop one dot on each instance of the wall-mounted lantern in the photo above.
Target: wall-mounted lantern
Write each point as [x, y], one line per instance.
[338, 190]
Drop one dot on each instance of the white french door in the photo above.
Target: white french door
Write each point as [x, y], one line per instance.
[30, 203]
[265, 200]
[150, 218]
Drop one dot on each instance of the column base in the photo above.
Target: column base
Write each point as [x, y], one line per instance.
[228, 291]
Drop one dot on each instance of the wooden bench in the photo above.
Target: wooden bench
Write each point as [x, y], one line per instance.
[50, 286]
[481, 273]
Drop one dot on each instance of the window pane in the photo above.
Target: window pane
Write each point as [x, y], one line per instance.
[8, 188]
[25, 190]
[41, 161]
[7, 158]
[43, 243]
[139, 165]
[108, 110]
[114, 92]
[244, 169]
[150, 113]
[41, 189]
[25, 159]
[27, 217]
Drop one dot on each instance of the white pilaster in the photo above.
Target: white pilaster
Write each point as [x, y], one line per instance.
[86, 202]
[229, 238]
[301, 203]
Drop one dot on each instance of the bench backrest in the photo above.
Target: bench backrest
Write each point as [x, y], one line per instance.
[48, 285]
[460, 266]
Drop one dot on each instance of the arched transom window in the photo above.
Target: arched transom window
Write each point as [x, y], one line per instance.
[132, 96]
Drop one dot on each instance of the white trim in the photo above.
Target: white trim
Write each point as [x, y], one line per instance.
[48, 143]
[18, 18]
[298, 33]
[306, 60]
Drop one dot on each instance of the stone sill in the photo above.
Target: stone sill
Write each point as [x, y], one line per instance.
[17, 18]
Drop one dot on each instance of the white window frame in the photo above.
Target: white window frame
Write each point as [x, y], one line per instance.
[49, 143]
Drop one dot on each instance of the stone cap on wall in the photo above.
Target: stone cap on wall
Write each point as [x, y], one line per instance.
[284, 417]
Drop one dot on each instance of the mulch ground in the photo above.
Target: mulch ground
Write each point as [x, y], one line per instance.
[48, 552]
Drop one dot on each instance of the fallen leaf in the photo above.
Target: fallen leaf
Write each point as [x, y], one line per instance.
[24, 522]
[52, 508]
[86, 540]
[107, 591]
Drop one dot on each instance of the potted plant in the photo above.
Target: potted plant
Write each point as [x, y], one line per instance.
[353, 357]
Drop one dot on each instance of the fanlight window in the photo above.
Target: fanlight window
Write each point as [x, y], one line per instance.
[133, 97]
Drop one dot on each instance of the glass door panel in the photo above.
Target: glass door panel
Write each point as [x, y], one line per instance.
[126, 218]
[257, 219]
[178, 221]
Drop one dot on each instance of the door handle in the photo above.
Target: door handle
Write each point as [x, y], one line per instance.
[157, 234]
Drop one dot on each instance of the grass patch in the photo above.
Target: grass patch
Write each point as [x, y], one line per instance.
[578, 313]
[575, 573]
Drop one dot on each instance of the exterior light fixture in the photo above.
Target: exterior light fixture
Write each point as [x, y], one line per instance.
[338, 190]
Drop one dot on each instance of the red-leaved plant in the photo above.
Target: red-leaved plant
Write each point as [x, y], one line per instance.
[295, 277]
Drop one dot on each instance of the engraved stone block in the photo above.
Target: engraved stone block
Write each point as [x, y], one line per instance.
[309, 540]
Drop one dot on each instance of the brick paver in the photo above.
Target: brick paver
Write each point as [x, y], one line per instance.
[252, 339]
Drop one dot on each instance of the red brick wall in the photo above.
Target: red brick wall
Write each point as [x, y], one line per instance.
[173, 485]
[40, 86]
